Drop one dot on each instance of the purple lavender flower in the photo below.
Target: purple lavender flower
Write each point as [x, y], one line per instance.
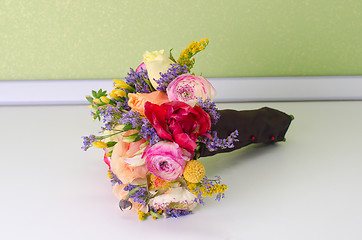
[214, 143]
[114, 178]
[218, 179]
[175, 213]
[199, 199]
[129, 187]
[137, 193]
[210, 107]
[131, 117]
[147, 131]
[219, 196]
[139, 81]
[123, 104]
[110, 116]
[87, 142]
[175, 70]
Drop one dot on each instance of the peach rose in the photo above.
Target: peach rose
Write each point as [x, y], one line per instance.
[124, 150]
[119, 192]
[137, 100]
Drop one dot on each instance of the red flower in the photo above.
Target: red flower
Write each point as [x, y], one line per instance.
[178, 122]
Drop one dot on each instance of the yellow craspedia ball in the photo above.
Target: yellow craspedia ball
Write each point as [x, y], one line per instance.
[194, 171]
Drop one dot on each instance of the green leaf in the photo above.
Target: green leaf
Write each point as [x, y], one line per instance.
[131, 138]
[137, 138]
[133, 135]
[171, 56]
[94, 93]
[111, 143]
[155, 214]
[90, 99]
[112, 102]
[127, 127]
[149, 84]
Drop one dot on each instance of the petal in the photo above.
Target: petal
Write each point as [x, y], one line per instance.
[157, 116]
[184, 141]
[135, 161]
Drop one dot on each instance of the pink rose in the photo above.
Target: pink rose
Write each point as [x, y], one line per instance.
[178, 122]
[166, 160]
[188, 88]
[141, 67]
[137, 100]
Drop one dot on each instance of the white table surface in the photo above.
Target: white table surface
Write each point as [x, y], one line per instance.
[309, 187]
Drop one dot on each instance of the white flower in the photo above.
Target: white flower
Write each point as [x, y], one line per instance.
[113, 137]
[179, 198]
[156, 62]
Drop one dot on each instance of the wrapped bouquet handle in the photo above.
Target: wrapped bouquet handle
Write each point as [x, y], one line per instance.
[265, 125]
[158, 122]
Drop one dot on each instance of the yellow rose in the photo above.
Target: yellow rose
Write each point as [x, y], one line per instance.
[156, 62]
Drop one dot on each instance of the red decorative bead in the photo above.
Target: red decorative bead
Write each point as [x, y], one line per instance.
[272, 138]
[253, 138]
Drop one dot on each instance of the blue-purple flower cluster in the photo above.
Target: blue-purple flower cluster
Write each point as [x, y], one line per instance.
[146, 130]
[209, 106]
[138, 80]
[123, 104]
[199, 198]
[175, 213]
[114, 179]
[174, 71]
[214, 143]
[219, 196]
[131, 117]
[137, 193]
[87, 141]
[109, 117]
[208, 187]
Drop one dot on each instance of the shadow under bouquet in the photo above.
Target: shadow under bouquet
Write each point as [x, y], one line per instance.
[158, 122]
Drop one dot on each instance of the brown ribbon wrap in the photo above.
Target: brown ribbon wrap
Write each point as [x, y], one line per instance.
[265, 125]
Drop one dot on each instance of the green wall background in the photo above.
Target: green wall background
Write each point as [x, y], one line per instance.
[88, 39]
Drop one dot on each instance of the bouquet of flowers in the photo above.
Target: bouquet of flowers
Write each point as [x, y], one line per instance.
[158, 122]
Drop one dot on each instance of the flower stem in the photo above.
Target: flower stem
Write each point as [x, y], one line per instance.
[110, 135]
[156, 215]
[134, 190]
